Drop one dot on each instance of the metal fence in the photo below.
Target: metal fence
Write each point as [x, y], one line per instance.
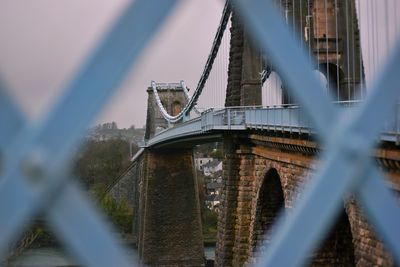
[35, 178]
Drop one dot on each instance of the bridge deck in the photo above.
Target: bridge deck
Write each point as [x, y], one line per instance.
[286, 118]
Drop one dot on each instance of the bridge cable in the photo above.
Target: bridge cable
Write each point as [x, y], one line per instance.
[206, 72]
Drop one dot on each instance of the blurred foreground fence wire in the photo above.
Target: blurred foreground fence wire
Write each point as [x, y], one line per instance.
[34, 175]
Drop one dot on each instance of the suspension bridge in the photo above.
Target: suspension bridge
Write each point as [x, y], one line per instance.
[294, 92]
[270, 141]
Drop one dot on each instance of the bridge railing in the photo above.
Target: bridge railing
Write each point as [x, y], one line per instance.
[289, 118]
[134, 160]
[392, 125]
[292, 118]
[278, 118]
[223, 119]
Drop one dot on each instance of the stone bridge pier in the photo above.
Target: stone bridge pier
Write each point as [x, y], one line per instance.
[265, 172]
[169, 227]
[160, 184]
[264, 176]
[161, 187]
[170, 232]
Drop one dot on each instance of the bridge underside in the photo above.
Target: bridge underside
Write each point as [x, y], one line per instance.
[188, 142]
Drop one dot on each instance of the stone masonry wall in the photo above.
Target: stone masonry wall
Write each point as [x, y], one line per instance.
[270, 202]
[173, 99]
[126, 188]
[352, 241]
[244, 204]
[244, 80]
[227, 214]
[170, 226]
[369, 251]
[247, 162]
[235, 63]
[250, 90]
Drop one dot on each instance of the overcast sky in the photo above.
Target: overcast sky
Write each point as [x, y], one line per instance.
[44, 41]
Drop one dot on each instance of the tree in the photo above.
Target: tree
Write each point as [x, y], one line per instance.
[100, 162]
[217, 153]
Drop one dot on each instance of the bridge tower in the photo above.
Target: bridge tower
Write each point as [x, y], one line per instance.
[173, 99]
[329, 31]
[326, 29]
[170, 232]
[244, 83]
[333, 36]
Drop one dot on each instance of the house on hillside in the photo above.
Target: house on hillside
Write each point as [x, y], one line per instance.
[201, 161]
[212, 167]
[212, 202]
[213, 188]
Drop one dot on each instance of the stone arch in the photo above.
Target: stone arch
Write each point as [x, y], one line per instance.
[274, 91]
[176, 108]
[337, 249]
[270, 200]
[271, 93]
[333, 75]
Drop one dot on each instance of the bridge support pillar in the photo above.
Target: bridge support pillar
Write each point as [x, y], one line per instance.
[245, 65]
[229, 200]
[170, 225]
[250, 92]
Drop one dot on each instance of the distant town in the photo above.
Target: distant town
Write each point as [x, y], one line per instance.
[110, 130]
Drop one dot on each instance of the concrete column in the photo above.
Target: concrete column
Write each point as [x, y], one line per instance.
[171, 233]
